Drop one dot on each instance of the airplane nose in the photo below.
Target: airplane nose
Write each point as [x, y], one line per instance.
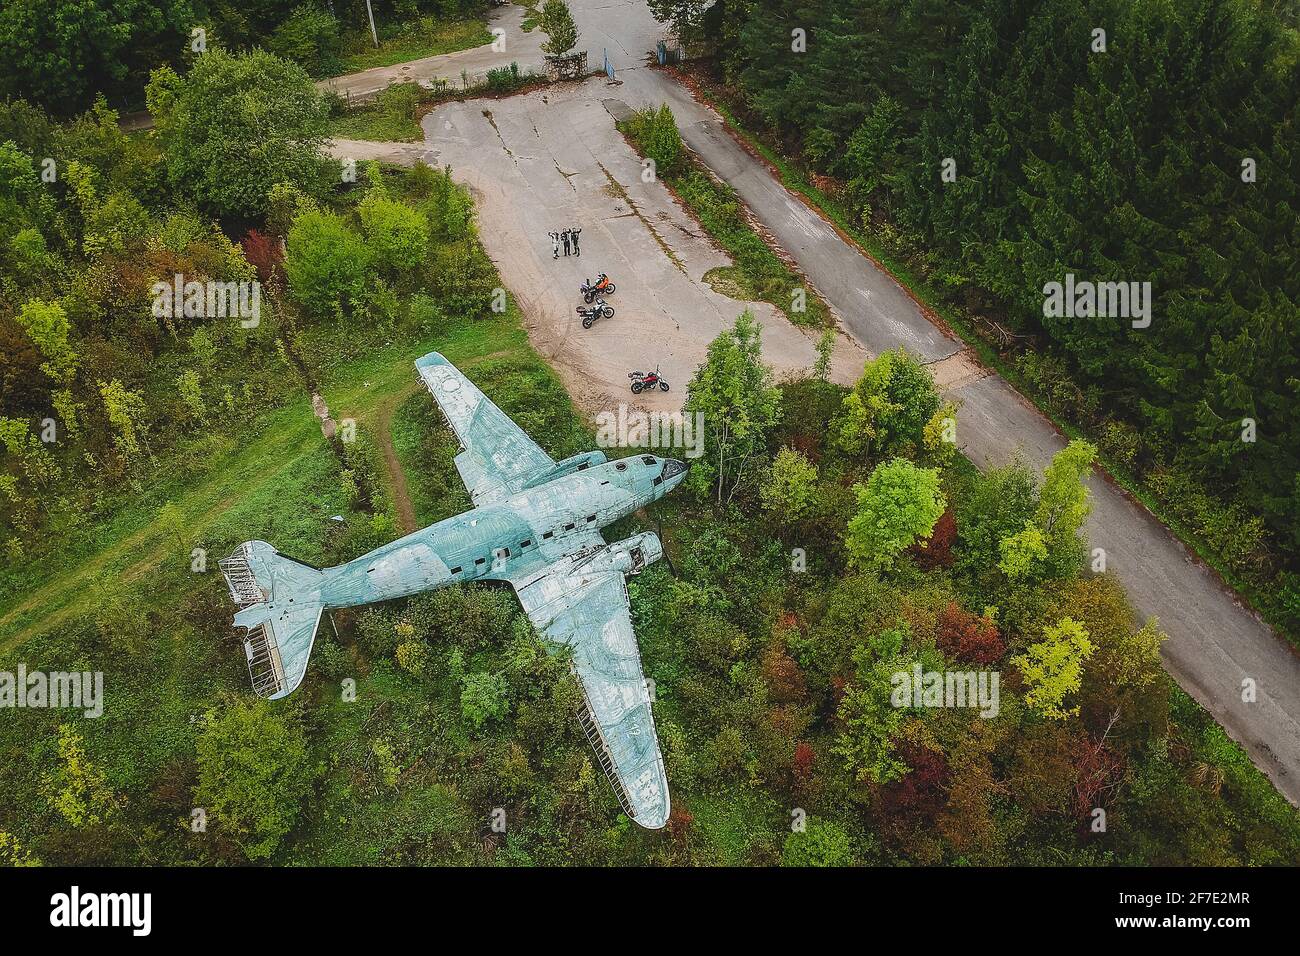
[673, 468]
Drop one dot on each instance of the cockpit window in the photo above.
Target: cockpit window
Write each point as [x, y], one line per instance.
[647, 459]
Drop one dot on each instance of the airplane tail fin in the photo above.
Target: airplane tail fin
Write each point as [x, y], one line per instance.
[280, 610]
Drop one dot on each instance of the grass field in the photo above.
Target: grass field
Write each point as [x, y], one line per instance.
[249, 489]
[377, 125]
[400, 772]
[427, 37]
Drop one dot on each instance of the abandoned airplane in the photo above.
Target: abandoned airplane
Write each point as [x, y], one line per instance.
[535, 523]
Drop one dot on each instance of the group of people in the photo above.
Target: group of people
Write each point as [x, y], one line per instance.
[568, 238]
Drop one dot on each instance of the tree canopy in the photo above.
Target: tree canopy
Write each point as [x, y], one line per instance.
[999, 146]
[561, 32]
[237, 125]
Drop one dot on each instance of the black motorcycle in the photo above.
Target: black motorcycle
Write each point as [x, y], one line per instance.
[598, 311]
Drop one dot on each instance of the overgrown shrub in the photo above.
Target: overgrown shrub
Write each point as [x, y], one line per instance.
[311, 38]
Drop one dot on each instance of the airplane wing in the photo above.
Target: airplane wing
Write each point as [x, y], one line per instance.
[497, 457]
[579, 603]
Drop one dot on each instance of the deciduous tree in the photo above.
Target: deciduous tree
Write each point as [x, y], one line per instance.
[557, 23]
[1063, 505]
[888, 409]
[397, 234]
[899, 504]
[235, 126]
[47, 325]
[968, 637]
[1053, 668]
[254, 771]
[733, 390]
[790, 487]
[326, 263]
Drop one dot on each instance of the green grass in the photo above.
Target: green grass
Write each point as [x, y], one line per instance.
[532, 17]
[373, 122]
[243, 493]
[730, 825]
[431, 38]
[759, 274]
[130, 548]
[432, 482]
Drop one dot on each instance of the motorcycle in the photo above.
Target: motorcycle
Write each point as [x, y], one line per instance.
[598, 311]
[641, 381]
[602, 287]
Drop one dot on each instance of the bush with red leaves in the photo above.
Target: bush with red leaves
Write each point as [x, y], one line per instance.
[936, 550]
[679, 822]
[922, 793]
[968, 637]
[839, 684]
[264, 254]
[1099, 772]
[804, 758]
[784, 678]
[807, 445]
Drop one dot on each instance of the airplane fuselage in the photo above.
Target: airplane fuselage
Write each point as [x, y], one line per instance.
[504, 539]
[536, 524]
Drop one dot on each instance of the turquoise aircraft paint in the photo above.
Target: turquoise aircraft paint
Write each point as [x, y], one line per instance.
[536, 524]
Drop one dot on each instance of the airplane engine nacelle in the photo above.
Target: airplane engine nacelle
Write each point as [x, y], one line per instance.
[631, 555]
[588, 459]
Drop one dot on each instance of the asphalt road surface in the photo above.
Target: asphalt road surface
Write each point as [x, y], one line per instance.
[519, 47]
[552, 160]
[1215, 646]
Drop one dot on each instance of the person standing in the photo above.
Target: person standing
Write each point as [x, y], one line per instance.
[576, 251]
[555, 243]
[565, 236]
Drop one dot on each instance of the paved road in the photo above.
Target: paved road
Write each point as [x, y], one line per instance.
[518, 47]
[1214, 644]
[552, 159]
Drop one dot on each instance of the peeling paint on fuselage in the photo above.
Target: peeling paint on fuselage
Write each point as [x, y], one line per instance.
[502, 540]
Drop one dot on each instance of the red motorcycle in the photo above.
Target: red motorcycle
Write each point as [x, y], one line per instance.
[642, 380]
